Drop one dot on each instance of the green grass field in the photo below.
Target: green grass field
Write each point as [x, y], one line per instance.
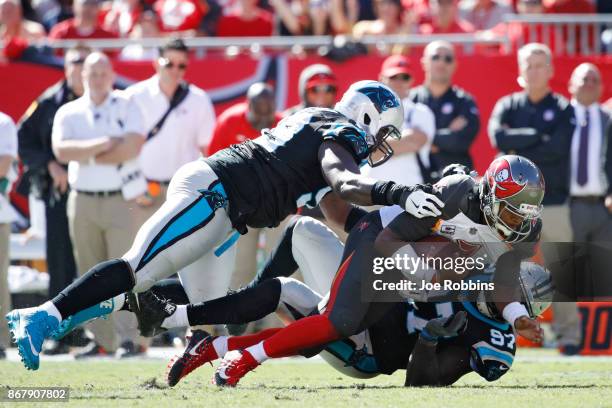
[537, 379]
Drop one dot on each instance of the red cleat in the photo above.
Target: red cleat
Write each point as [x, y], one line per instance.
[199, 351]
[235, 365]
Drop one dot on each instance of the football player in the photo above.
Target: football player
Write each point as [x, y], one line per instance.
[498, 217]
[254, 184]
[383, 347]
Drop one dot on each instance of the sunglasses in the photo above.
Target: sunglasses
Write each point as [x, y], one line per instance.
[446, 58]
[166, 63]
[322, 89]
[401, 77]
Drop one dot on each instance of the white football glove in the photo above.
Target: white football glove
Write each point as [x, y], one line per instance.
[421, 204]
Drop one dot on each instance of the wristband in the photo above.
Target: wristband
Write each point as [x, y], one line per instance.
[513, 311]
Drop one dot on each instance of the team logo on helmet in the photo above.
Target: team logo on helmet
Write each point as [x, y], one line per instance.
[507, 183]
[381, 97]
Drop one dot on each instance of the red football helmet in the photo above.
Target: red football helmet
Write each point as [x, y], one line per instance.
[511, 194]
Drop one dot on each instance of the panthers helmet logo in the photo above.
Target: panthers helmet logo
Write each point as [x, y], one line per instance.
[382, 98]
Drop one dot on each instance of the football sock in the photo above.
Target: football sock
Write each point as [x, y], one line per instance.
[220, 346]
[302, 334]
[176, 319]
[103, 281]
[244, 306]
[258, 352]
[51, 310]
[242, 342]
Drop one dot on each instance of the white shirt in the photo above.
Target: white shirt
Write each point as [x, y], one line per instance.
[185, 132]
[8, 136]
[404, 168]
[8, 147]
[595, 184]
[81, 119]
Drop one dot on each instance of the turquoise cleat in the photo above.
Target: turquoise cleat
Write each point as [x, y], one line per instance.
[29, 328]
[102, 309]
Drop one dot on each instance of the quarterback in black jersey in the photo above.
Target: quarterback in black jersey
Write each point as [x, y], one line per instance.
[504, 208]
[257, 183]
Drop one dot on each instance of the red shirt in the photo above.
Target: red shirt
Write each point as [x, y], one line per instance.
[233, 25]
[458, 26]
[232, 127]
[67, 30]
[180, 15]
[570, 7]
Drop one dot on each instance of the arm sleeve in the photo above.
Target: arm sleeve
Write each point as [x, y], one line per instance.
[422, 118]
[556, 146]
[459, 141]
[31, 149]
[351, 138]
[207, 125]
[61, 127]
[509, 139]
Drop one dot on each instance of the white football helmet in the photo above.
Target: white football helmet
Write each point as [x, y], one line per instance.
[536, 288]
[377, 110]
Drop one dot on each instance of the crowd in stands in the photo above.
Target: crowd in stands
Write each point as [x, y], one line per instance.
[26, 21]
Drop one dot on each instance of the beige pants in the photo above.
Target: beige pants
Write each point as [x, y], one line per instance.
[103, 228]
[5, 296]
[557, 227]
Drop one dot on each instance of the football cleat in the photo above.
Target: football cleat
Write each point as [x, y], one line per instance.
[94, 312]
[235, 365]
[29, 328]
[199, 351]
[150, 311]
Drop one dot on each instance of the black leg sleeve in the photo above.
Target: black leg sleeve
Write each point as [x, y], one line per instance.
[172, 290]
[103, 281]
[241, 307]
[281, 262]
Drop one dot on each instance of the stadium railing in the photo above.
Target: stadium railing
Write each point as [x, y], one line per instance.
[583, 34]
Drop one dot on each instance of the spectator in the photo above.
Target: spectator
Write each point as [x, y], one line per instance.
[84, 25]
[457, 117]
[146, 27]
[391, 19]
[484, 14]
[94, 134]
[295, 19]
[569, 6]
[238, 123]
[246, 20]
[317, 86]
[13, 25]
[539, 124]
[8, 153]
[180, 15]
[246, 120]
[122, 16]
[49, 178]
[411, 153]
[179, 139]
[445, 19]
[591, 184]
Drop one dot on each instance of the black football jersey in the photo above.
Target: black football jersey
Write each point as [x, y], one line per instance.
[266, 179]
[491, 343]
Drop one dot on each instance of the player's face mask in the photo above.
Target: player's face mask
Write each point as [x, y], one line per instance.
[380, 150]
